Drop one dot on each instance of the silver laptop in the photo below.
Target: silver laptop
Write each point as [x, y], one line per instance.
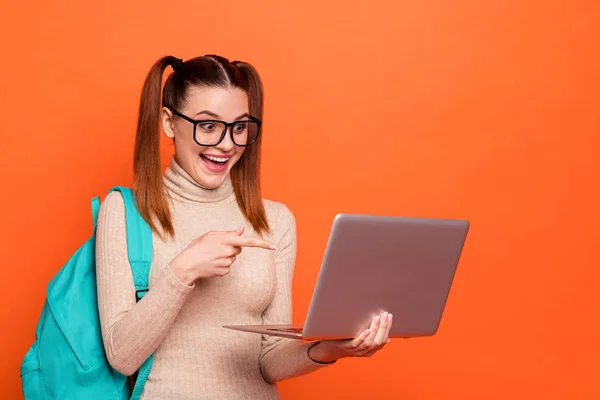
[373, 264]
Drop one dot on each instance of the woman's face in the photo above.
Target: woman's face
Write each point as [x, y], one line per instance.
[209, 166]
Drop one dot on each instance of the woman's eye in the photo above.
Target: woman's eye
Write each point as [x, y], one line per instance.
[239, 128]
[208, 126]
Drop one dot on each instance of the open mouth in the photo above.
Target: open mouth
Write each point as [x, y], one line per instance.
[215, 163]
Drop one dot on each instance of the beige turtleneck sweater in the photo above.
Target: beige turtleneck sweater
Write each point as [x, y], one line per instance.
[195, 358]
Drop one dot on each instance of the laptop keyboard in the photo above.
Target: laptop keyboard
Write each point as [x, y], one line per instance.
[292, 330]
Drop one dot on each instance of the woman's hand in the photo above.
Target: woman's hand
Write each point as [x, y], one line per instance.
[365, 345]
[212, 254]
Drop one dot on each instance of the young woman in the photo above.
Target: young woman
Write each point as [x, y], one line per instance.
[222, 254]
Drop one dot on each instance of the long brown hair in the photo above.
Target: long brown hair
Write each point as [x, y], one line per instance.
[211, 71]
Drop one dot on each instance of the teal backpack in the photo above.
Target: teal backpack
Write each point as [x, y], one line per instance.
[67, 361]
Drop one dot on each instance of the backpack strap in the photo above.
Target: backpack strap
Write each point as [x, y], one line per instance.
[95, 211]
[142, 377]
[139, 243]
[139, 250]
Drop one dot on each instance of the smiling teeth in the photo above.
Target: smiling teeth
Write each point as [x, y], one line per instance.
[217, 159]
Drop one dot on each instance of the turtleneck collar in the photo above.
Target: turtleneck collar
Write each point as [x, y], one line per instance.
[181, 185]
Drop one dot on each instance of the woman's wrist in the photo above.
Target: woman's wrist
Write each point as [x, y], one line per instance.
[323, 353]
[181, 272]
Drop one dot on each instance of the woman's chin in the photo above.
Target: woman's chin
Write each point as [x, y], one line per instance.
[210, 176]
[210, 180]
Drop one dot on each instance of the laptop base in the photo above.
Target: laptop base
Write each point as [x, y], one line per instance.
[287, 331]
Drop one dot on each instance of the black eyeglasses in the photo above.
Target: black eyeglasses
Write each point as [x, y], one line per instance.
[210, 132]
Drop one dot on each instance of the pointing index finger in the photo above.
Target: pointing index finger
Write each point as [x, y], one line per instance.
[251, 242]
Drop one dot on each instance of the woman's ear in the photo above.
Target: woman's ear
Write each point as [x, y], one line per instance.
[166, 119]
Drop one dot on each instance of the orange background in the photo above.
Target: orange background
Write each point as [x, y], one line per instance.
[460, 109]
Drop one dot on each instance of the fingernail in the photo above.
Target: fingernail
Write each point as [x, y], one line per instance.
[389, 340]
[377, 319]
[241, 228]
[390, 317]
[273, 247]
